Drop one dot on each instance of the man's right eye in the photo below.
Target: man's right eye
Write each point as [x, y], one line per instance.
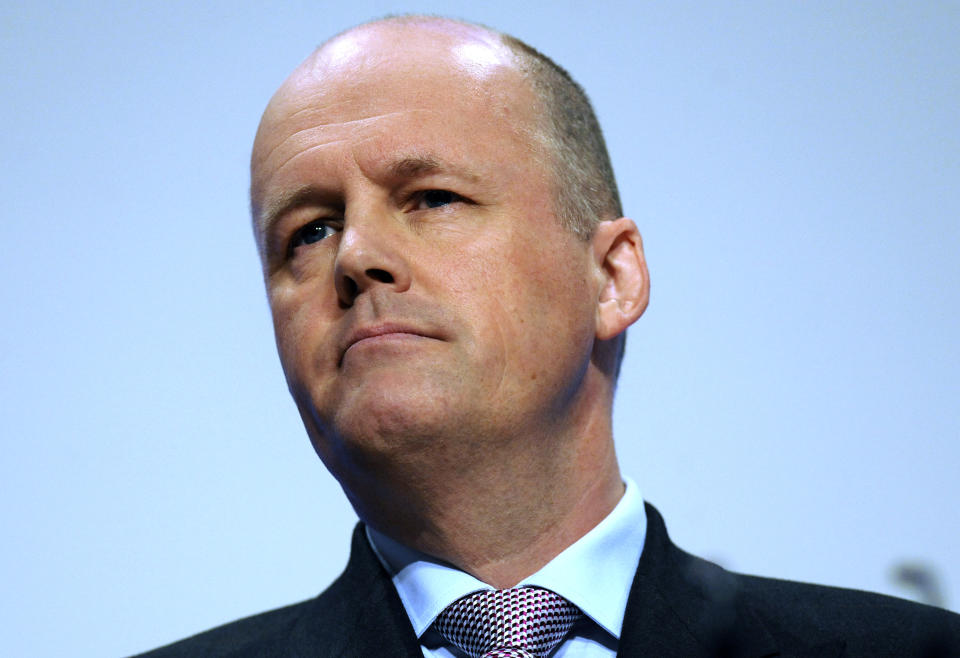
[315, 231]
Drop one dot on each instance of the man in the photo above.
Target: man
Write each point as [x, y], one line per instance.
[450, 279]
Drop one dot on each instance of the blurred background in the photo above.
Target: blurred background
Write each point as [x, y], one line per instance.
[789, 401]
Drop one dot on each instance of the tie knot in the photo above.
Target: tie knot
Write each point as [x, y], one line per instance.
[523, 621]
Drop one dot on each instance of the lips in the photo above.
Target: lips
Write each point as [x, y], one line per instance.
[381, 329]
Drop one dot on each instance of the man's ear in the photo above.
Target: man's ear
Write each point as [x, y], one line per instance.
[624, 281]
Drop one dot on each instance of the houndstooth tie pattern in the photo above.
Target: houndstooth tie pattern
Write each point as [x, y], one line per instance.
[524, 622]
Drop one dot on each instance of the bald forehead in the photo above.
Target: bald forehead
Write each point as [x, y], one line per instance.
[473, 47]
[407, 49]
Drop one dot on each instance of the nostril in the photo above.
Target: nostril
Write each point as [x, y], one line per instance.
[380, 275]
[350, 288]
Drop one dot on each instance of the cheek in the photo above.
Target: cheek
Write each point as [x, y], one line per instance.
[298, 326]
[525, 304]
[553, 306]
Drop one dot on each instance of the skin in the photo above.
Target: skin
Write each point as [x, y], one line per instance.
[445, 340]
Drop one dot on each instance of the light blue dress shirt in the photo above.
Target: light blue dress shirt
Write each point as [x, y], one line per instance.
[594, 573]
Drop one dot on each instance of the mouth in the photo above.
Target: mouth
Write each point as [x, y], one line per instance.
[377, 332]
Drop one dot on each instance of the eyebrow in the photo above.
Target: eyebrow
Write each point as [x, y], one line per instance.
[418, 165]
[302, 196]
[414, 166]
[409, 167]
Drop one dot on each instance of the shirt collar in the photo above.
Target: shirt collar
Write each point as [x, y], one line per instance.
[594, 573]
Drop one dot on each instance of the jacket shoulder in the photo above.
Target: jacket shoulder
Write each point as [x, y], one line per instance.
[870, 624]
[707, 611]
[262, 634]
[325, 625]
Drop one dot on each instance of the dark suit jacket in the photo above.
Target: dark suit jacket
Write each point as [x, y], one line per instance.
[679, 605]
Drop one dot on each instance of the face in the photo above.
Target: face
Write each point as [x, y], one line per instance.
[424, 296]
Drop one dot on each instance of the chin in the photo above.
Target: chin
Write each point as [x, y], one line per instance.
[395, 420]
[395, 439]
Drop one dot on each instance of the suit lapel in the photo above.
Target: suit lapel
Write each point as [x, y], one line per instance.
[680, 605]
[359, 615]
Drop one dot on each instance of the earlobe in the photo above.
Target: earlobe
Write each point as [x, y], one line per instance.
[624, 281]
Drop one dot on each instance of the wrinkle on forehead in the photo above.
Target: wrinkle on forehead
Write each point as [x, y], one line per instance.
[272, 155]
[319, 130]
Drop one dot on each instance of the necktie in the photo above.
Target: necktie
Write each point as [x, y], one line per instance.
[523, 622]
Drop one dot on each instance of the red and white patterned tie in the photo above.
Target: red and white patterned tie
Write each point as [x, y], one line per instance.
[523, 622]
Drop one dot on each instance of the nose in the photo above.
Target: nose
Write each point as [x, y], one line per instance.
[370, 254]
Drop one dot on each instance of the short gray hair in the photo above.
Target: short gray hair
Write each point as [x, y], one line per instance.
[586, 188]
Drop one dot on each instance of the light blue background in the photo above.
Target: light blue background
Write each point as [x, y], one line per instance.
[790, 400]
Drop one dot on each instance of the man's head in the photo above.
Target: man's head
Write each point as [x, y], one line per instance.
[435, 294]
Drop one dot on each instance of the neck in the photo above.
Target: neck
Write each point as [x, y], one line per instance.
[502, 522]
[502, 555]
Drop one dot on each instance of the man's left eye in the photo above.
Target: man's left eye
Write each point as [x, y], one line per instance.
[437, 198]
